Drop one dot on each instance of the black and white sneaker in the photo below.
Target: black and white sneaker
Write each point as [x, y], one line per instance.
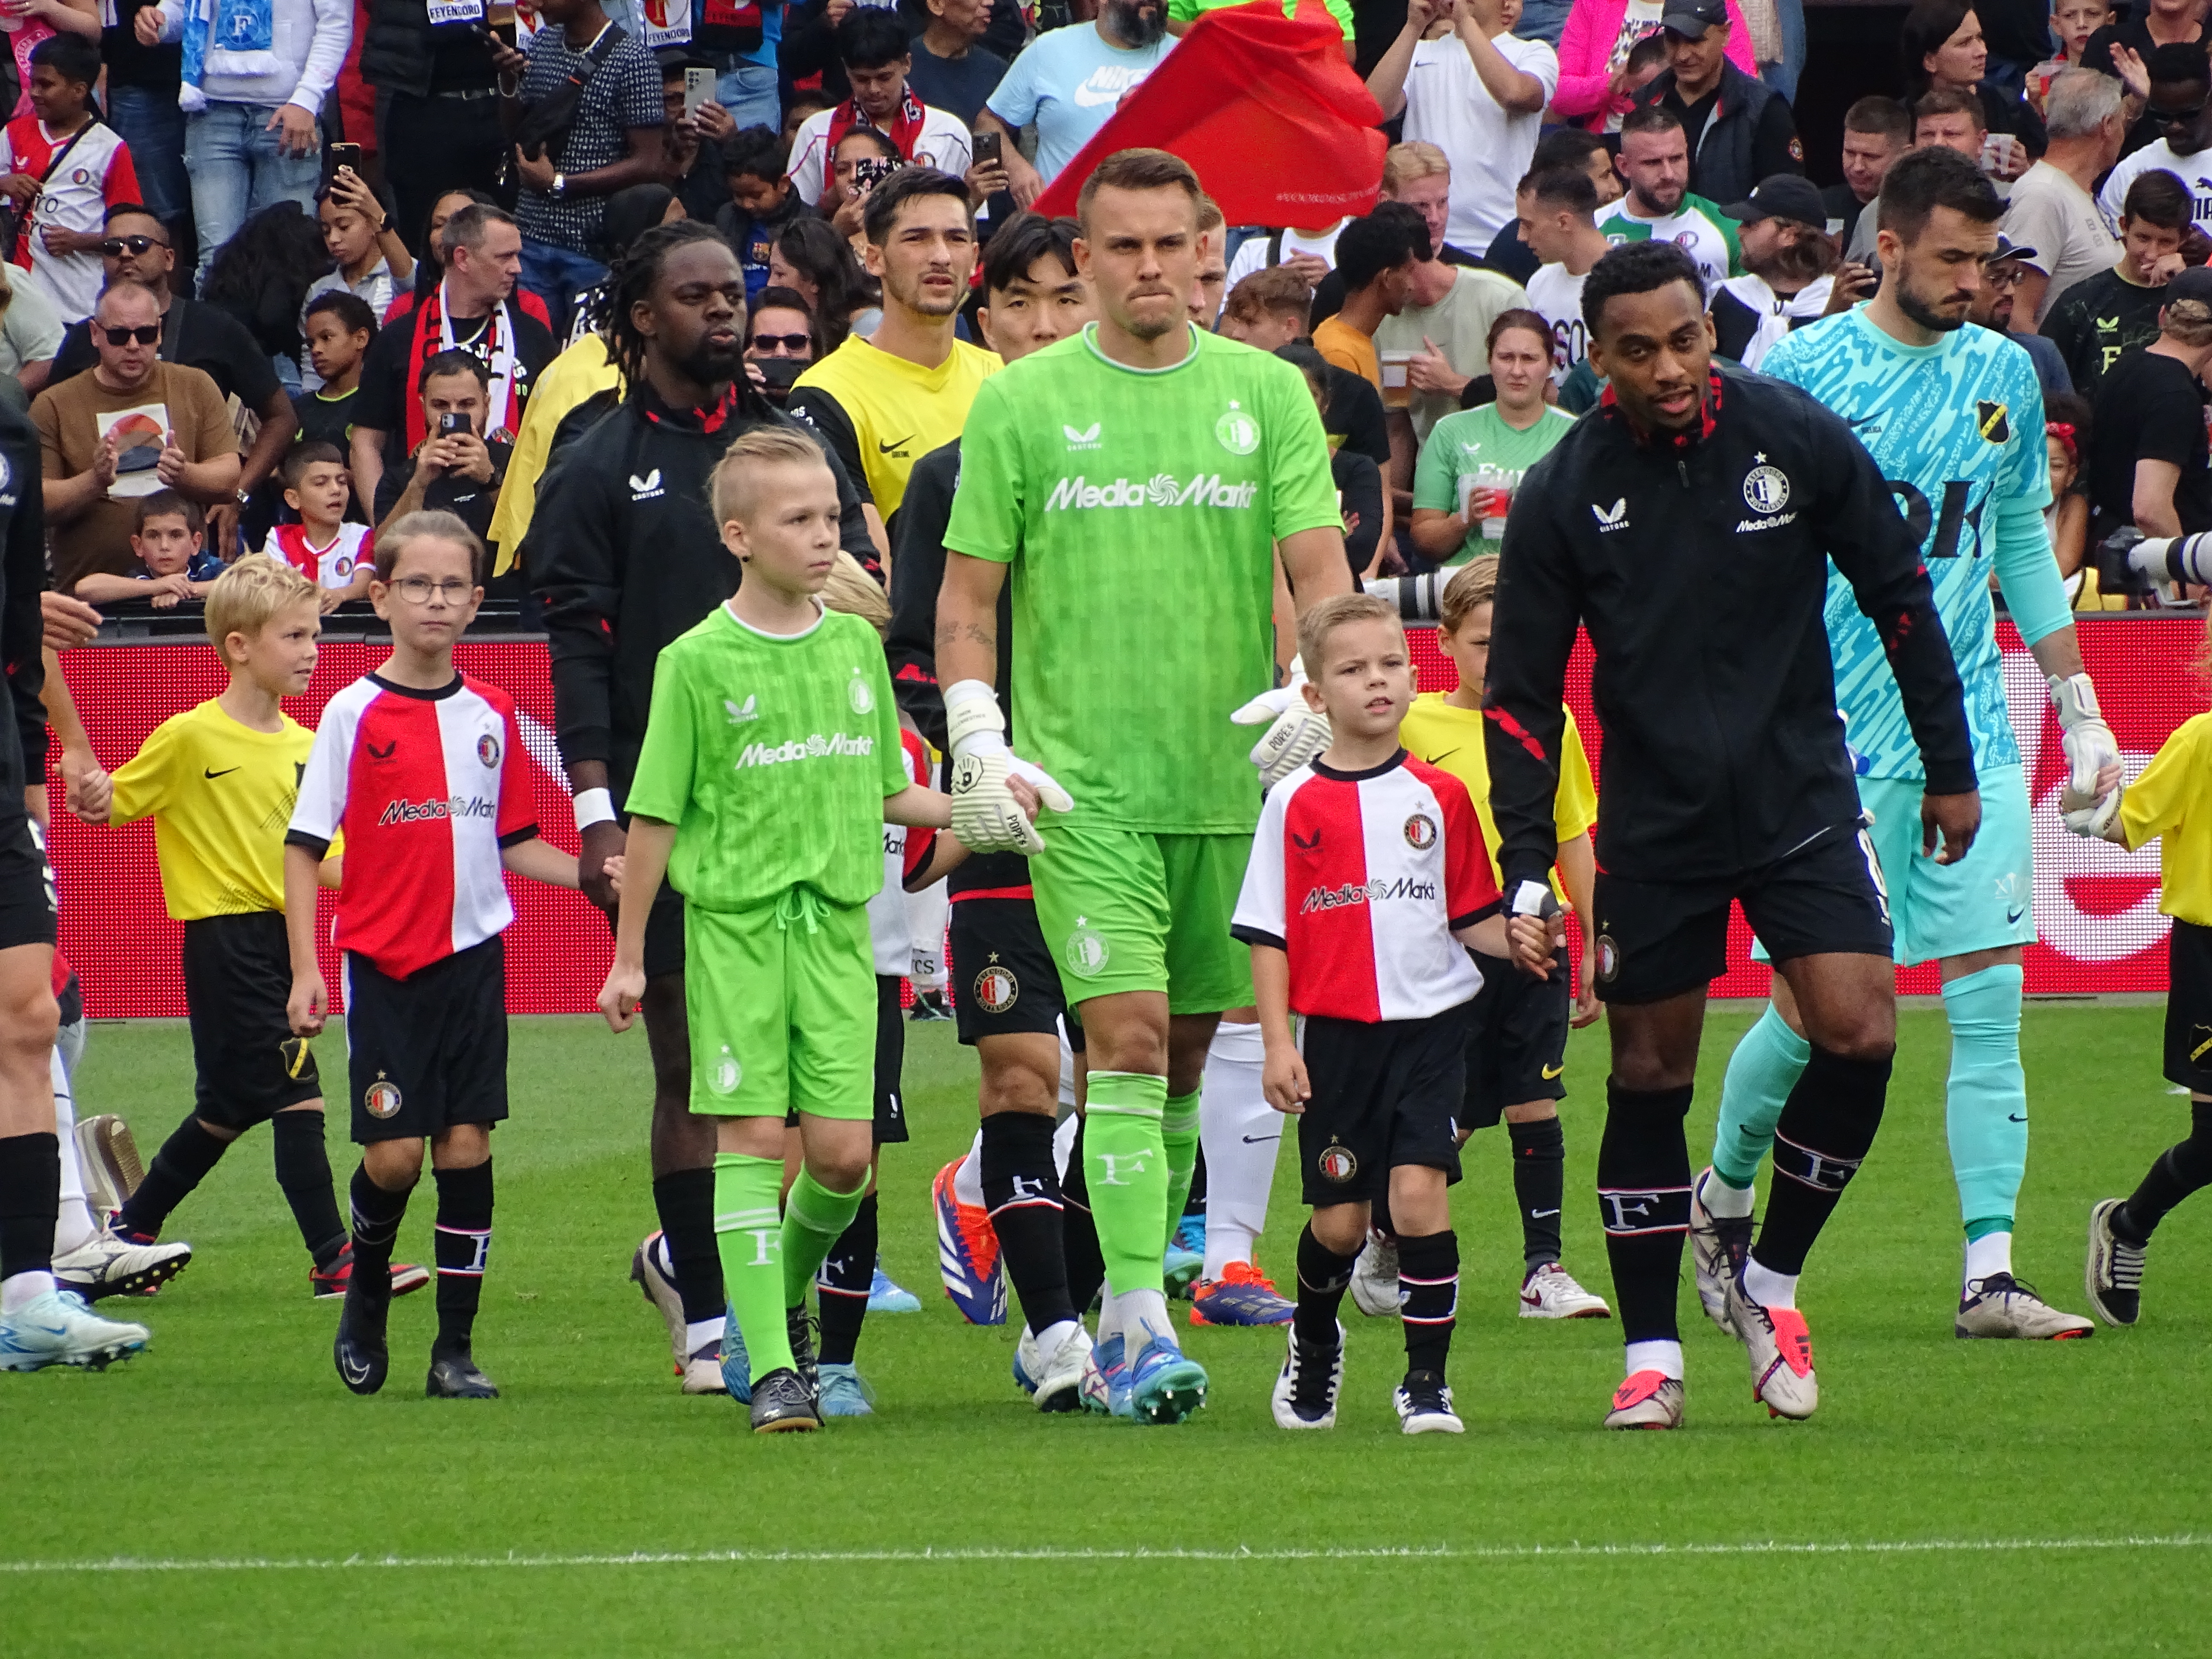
[358, 1350]
[801, 1325]
[1425, 1405]
[1307, 1386]
[782, 1402]
[455, 1376]
[1718, 1246]
[2114, 1276]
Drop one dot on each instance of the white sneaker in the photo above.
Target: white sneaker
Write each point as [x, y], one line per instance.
[59, 1329]
[647, 1272]
[1307, 1387]
[1781, 1350]
[1060, 1374]
[1425, 1406]
[1718, 1245]
[1375, 1287]
[703, 1371]
[1551, 1292]
[105, 1265]
[2001, 1305]
[109, 1158]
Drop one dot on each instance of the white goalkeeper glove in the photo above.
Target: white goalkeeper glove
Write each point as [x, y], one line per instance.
[1295, 734]
[986, 817]
[2086, 815]
[2088, 740]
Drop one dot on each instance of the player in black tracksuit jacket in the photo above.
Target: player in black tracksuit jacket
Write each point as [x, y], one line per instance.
[1687, 524]
[623, 555]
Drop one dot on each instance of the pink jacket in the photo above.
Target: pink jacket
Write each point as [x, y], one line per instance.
[1592, 27]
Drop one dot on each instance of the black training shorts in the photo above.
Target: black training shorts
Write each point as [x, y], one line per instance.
[1657, 939]
[2189, 1007]
[891, 1061]
[1384, 1093]
[1003, 976]
[238, 976]
[1516, 1040]
[27, 910]
[429, 1051]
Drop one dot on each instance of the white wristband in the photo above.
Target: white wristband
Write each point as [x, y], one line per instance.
[594, 806]
[974, 723]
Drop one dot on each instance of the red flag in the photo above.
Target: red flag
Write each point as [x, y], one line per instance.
[1294, 143]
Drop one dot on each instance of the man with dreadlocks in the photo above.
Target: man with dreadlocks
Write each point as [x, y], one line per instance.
[624, 555]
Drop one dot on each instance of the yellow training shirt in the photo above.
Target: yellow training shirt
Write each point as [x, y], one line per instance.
[881, 414]
[1451, 739]
[2172, 800]
[221, 796]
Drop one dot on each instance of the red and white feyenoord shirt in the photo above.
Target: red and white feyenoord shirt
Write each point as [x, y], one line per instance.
[330, 565]
[905, 850]
[95, 174]
[428, 786]
[1361, 877]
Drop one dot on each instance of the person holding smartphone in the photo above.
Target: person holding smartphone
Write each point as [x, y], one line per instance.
[454, 469]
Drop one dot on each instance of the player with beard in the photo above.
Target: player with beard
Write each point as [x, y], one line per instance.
[1654, 159]
[1787, 259]
[1953, 417]
[883, 403]
[623, 556]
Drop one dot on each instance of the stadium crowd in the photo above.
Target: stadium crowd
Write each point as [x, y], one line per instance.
[388, 309]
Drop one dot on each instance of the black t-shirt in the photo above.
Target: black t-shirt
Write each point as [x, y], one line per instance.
[2014, 115]
[2099, 319]
[1841, 204]
[2016, 30]
[130, 65]
[2150, 408]
[1511, 257]
[388, 372]
[472, 498]
[2134, 34]
[330, 420]
[1355, 414]
[1359, 483]
[198, 336]
[958, 86]
[460, 59]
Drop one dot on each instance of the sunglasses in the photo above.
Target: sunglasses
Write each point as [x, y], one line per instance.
[150, 335]
[788, 342]
[115, 247]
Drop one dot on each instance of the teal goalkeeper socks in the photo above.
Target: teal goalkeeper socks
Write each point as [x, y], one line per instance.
[748, 1235]
[814, 1218]
[1761, 1072]
[1986, 1101]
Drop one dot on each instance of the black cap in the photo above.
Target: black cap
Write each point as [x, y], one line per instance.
[1693, 17]
[2008, 249]
[1784, 196]
[2191, 283]
[672, 58]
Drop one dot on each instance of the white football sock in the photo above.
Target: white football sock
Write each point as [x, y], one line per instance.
[1068, 1066]
[1664, 1358]
[1063, 1143]
[19, 1291]
[968, 1179]
[1144, 1315]
[1240, 1134]
[74, 1224]
[1049, 1338]
[1768, 1288]
[700, 1332]
[1990, 1254]
[1731, 1203]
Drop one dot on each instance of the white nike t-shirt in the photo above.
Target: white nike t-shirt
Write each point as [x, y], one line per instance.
[1069, 82]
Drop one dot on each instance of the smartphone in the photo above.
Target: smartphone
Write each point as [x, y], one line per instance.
[344, 156]
[698, 88]
[988, 147]
[869, 171]
[453, 423]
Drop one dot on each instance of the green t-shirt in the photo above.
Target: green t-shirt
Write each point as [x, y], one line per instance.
[1477, 446]
[1189, 11]
[771, 754]
[1140, 510]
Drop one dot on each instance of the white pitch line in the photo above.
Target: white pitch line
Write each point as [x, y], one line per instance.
[968, 1556]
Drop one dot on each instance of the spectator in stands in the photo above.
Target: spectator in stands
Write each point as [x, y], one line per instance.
[2141, 30]
[455, 468]
[2116, 310]
[1660, 206]
[1359, 481]
[2150, 107]
[2180, 83]
[873, 47]
[170, 563]
[1941, 45]
[1272, 308]
[1309, 252]
[1992, 307]
[844, 191]
[1419, 175]
[439, 127]
[473, 309]
[762, 201]
[2067, 422]
[690, 139]
[1560, 226]
[1442, 330]
[339, 327]
[1594, 68]
[1212, 265]
[1738, 129]
[1788, 264]
[62, 169]
[174, 425]
[1376, 256]
[361, 236]
[1069, 82]
[2073, 24]
[1475, 458]
[1955, 120]
[1466, 83]
[143, 84]
[951, 70]
[819, 265]
[2150, 466]
[1876, 132]
[261, 277]
[2051, 208]
[1562, 148]
[612, 141]
[784, 338]
[30, 334]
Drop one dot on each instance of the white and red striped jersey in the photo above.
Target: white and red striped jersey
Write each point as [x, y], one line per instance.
[905, 850]
[330, 565]
[94, 175]
[428, 786]
[1361, 877]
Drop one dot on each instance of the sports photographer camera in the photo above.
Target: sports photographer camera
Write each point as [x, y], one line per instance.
[2150, 470]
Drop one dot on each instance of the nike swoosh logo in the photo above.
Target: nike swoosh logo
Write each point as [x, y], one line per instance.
[1551, 1071]
[1087, 99]
[1254, 1140]
[2016, 1117]
[896, 443]
[2011, 917]
[356, 1373]
[1538, 1215]
[210, 772]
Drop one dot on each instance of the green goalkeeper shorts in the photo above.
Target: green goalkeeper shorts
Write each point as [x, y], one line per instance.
[1124, 910]
[781, 1000]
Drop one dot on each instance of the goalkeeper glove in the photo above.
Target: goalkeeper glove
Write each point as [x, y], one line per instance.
[2088, 740]
[986, 817]
[1295, 734]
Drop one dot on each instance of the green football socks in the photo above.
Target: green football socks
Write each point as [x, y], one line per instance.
[814, 1218]
[1125, 1167]
[1179, 1138]
[748, 1237]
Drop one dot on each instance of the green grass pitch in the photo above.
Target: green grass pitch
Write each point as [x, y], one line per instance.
[1967, 1497]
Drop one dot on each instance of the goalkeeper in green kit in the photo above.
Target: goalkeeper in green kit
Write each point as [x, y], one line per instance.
[1134, 482]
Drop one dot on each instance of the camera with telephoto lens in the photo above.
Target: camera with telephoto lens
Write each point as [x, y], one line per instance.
[2129, 563]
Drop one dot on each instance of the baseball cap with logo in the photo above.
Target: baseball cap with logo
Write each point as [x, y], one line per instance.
[1784, 196]
[1693, 17]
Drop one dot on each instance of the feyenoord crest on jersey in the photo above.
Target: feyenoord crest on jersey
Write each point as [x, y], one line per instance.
[727, 1074]
[1336, 1163]
[488, 750]
[997, 990]
[382, 1098]
[1238, 432]
[1420, 832]
[1087, 952]
[1766, 489]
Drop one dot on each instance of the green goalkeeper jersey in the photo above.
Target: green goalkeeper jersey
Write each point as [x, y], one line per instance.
[1140, 510]
[771, 754]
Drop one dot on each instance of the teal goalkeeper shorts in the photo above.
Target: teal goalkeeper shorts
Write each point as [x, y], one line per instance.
[1983, 903]
[1127, 910]
[781, 1000]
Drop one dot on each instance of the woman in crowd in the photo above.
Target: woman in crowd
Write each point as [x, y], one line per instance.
[843, 199]
[813, 261]
[1942, 47]
[261, 276]
[782, 339]
[1474, 460]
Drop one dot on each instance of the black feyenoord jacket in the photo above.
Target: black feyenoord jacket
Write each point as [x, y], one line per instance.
[624, 554]
[1699, 565]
